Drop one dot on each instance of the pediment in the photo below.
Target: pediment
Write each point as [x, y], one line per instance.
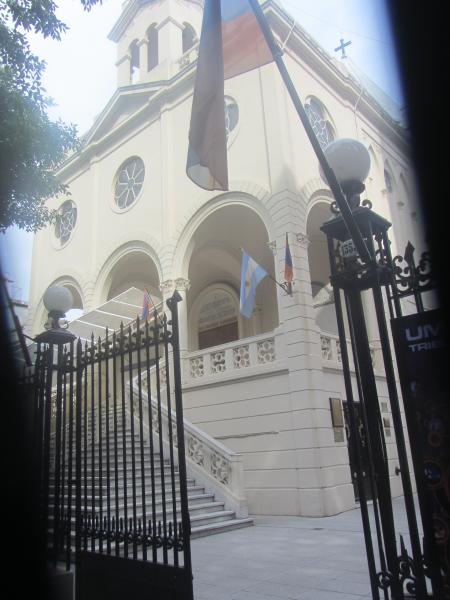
[123, 104]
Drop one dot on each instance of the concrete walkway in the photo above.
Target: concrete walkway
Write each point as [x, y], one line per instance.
[287, 558]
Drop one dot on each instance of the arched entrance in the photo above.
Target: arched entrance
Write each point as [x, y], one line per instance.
[77, 306]
[76, 311]
[214, 275]
[319, 267]
[137, 270]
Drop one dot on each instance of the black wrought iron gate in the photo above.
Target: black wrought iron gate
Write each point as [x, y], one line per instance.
[112, 472]
[416, 563]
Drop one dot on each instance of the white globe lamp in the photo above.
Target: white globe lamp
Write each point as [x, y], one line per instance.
[350, 161]
[57, 300]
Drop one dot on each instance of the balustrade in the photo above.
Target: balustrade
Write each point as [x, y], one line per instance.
[231, 357]
[209, 457]
[331, 349]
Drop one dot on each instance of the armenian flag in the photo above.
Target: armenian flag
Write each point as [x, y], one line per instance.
[288, 269]
[231, 43]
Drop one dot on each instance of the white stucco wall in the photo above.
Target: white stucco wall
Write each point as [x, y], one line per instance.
[279, 420]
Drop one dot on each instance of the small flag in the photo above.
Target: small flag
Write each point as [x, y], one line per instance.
[231, 43]
[146, 305]
[288, 269]
[251, 275]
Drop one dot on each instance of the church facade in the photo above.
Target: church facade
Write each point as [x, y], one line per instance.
[269, 387]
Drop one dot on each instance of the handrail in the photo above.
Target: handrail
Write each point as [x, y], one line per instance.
[220, 467]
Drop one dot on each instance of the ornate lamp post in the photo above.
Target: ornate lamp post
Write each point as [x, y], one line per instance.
[57, 300]
[394, 570]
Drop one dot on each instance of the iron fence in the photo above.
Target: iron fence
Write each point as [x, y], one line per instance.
[110, 484]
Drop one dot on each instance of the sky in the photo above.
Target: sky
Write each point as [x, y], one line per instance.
[81, 75]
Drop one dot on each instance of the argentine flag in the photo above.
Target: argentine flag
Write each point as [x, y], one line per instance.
[251, 275]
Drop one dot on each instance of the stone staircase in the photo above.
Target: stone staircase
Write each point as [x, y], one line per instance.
[207, 514]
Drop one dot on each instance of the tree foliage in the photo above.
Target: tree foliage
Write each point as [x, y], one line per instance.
[32, 146]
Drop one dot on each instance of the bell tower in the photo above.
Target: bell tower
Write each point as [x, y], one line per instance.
[155, 38]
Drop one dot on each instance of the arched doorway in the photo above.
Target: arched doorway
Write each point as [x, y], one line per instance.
[319, 267]
[214, 275]
[216, 314]
[75, 312]
[77, 305]
[133, 270]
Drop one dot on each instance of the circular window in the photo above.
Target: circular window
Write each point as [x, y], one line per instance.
[231, 115]
[65, 221]
[320, 123]
[129, 181]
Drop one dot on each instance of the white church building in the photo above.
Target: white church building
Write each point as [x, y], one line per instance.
[267, 388]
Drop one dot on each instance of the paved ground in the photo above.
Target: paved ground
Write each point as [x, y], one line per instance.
[287, 558]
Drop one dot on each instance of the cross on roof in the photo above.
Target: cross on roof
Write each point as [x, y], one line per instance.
[342, 47]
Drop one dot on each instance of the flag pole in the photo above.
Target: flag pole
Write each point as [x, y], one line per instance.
[341, 201]
[286, 286]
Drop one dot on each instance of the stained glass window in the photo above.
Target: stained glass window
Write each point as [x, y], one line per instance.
[129, 181]
[388, 181]
[320, 123]
[231, 115]
[65, 221]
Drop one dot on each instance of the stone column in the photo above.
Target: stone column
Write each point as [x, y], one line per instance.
[305, 376]
[167, 288]
[182, 286]
[169, 43]
[143, 59]
[123, 70]
[322, 484]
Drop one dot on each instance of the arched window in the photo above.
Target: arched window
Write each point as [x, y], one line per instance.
[189, 37]
[134, 62]
[320, 121]
[152, 47]
[388, 181]
[231, 115]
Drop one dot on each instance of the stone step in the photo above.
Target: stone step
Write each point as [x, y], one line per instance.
[219, 527]
[104, 478]
[194, 499]
[120, 432]
[147, 464]
[208, 515]
[158, 490]
[213, 517]
[198, 512]
[87, 459]
[129, 471]
[214, 523]
[196, 532]
[107, 443]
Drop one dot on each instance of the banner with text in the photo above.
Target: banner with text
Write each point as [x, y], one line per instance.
[421, 347]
